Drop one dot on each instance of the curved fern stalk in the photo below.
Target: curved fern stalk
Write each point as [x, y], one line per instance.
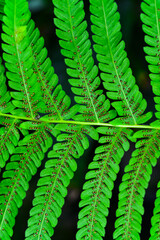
[151, 27]
[18, 59]
[59, 169]
[19, 171]
[114, 64]
[155, 231]
[76, 48]
[134, 182]
[97, 190]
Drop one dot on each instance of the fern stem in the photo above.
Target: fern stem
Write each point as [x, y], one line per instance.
[80, 123]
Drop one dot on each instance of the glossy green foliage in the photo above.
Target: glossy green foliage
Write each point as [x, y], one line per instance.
[76, 48]
[59, 169]
[1, 8]
[134, 182]
[34, 110]
[114, 64]
[151, 26]
[19, 171]
[97, 191]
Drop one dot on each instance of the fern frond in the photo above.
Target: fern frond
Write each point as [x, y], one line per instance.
[59, 169]
[155, 221]
[134, 182]
[19, 171]
[18, 59]
[76, 48]
[114, 64]
[55, 99]
[97, 190]
[9, 135]
[5, 104]
[151, 27]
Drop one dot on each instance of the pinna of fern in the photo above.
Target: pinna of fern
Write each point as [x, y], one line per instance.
[114, 64]
[7, 142]
[151, 27]
[97, 190]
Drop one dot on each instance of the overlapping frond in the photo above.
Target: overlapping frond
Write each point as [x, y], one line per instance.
[97, 190]
[55, 99]
[18, 59]
[5, 104]
[155, 221]
[31, 75]
[76, 48]
[52, 186]
[151, 27]
[134, 182]
[19, 171]
[114, 64]
[9, 135]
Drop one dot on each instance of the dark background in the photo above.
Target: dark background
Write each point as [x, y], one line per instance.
[42, 13]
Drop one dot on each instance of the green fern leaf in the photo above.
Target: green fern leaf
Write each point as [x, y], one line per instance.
[97, 190]
[151, 27]
[5, 104]
[2, 9]
[9, 135]
[76, 47]
[134, 182]
[114, 64]
[18, 59]
[154, 231]
[19, 171]
[35, 109]
[55, 178]
[55, 99]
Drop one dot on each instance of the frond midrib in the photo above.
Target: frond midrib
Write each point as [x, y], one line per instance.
[20, 64]
[100, 180]
[9, 129]
[54, 183]
[46, 90]
[110, 49]
[84, 78]
[134, 183]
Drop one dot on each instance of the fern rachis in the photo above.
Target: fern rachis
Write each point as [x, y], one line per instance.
[34, 109]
